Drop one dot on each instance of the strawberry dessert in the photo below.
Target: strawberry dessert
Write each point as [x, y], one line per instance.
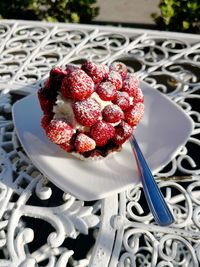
[91, 111]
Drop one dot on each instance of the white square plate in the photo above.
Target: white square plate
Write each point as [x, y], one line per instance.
[163, 130]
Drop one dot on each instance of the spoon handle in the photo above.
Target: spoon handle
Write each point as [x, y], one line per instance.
[155, 199]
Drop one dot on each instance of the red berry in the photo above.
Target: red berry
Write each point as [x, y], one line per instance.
[84, 143]
[106, 91]
[101, 132]
[57, 72]
[59, 131]
[112, 113]
[46, 101]
[120, 68]
[66, 146]
[115, 78]
[96, 71]
[65, 90]
[47, 84]
[122, 99]
[78, 85]
[55, 79]
[130, 84]
[134, 114]
[123, 132]
[45, 121]
[87, 112]
[139, 97]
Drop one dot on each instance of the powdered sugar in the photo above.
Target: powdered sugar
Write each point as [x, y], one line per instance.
[87, 112]
[122, 132]
[130, 84]
[84, 143]
[106, 91]
[134, 114]
[112, 113]
[79, 85]
[101, 116]
[119, 67]
[122, 99]
[96, 71]
[115, 78]
[59, 131]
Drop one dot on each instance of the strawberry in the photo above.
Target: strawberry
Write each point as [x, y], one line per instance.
[130, 84]
[96, 71]
[45, 121]
[84, 143]
[55, 79]
[47, 83]
[106, 91]
[122, 99]
[66, 146]
[59, 131]
[120, 68]
[87, 112]
[65, 90]
[123, 132]
[115, 78]
[101, 132]
[134, 114]
[78, 85]
[46, 101]
[112, 113]
[138, 97]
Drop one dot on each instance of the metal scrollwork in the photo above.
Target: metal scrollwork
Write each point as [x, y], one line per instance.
[40, 225]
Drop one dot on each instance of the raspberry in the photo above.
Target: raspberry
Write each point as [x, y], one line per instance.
[106, 91]
[120, 68]
[84, 143]
[115, 78]
[87, 112]
[96, 71]
[112, 113]
[123, 132]
[134, 114]
[59, 131]
[101, 132]
[46, 101]
[79, 85]
[130, 84]
[122, 100]
[45, 121]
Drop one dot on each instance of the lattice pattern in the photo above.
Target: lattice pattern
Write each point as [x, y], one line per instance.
[39, 224]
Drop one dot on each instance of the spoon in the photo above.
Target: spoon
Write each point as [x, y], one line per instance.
[154, 196]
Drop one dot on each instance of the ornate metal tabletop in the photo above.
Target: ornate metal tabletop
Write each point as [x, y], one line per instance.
[40, 225]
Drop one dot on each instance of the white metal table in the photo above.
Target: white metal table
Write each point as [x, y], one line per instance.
[42, 226]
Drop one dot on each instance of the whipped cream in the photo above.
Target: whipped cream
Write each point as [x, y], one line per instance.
[101, 102]
[63, 110]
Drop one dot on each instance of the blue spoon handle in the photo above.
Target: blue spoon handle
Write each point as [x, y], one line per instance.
[155, 199]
